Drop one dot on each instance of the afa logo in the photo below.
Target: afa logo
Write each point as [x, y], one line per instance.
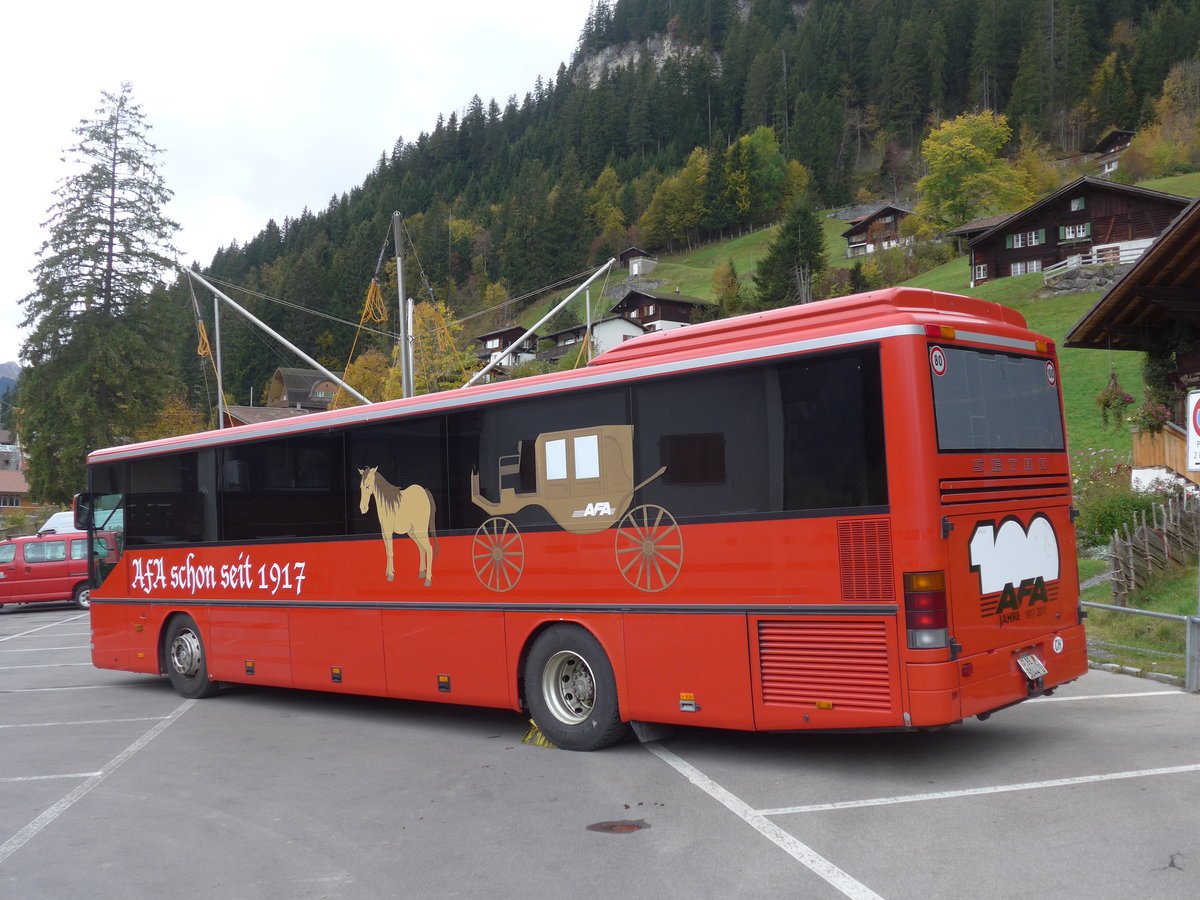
[1014, 563]
[600, 508]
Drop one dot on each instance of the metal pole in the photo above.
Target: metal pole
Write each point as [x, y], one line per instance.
[304, 356]
[1191, 680]
[406, 367]
[587, 311]
[571, 296]
[217, 358]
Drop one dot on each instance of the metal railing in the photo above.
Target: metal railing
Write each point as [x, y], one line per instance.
[1191, 680]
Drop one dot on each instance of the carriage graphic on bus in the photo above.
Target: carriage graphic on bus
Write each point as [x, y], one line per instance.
[584, 479]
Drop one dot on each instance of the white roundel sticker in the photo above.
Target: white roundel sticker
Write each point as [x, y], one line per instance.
[1051, 375]
[937, 361]
[1058, 643]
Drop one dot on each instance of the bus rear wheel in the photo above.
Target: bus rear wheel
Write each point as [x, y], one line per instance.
[187, 665]
[571, 690]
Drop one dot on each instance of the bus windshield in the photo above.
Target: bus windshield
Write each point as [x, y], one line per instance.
[984, 400]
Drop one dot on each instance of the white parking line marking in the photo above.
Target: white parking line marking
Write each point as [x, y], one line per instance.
[1164, 693]
[44, 666]
[40, 649]
[15, 778]
[73, 687]
[84, 722]
[975, 792]
[798, 850]
[41, 628]
[26, 834]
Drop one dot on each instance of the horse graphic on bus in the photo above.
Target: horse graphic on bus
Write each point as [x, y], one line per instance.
[408, 511]
[584, 479]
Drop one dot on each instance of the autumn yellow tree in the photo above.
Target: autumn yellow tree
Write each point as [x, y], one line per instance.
[968, 177]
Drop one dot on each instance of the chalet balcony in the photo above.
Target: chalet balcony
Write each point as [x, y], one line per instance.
[1165, 450]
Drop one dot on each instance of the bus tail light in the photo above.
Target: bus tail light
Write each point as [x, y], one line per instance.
[925, 613]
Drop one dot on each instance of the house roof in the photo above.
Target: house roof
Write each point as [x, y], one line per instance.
[1112, 139]
[13, 481]
[1097, 184]
[978, 226]
[514, 330]
[252, 415]
[854, 213]
[1162, 287]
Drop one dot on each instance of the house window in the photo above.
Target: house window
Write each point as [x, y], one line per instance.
[492, 344]
[981, 272]
[9, 500]
[1025, 239]
[1024, 268]
[1077, 204]
[1078, 232]
[650, 310]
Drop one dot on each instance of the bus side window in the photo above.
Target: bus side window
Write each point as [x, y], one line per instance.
[163, 504]
[292, 487]
[833, 432]
[709, 431]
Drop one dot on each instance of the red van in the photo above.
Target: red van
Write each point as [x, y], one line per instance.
[49, 567]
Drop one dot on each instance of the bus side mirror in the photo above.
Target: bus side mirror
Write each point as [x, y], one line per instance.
[81, 504]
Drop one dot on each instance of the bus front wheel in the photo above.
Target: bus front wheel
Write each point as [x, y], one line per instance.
[571, 690]
[186, 663]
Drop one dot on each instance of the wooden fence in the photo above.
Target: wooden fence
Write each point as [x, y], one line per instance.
[1149, 546]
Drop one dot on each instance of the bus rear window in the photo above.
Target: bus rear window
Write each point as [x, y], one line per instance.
[995, 401]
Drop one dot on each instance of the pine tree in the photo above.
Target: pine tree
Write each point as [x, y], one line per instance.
[95, 352]
[794, 261]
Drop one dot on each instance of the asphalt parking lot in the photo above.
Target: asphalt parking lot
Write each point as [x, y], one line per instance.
[113, 786]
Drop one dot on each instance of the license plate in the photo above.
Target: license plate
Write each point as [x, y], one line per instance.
[1031, 666]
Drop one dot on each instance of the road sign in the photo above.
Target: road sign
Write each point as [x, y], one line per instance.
[1193, 431]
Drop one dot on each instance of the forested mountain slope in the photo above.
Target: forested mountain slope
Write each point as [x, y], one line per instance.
[778, 98]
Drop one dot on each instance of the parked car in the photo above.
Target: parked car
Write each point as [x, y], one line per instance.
[50, 566]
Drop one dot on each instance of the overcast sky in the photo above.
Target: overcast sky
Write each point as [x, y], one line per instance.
[261, 109]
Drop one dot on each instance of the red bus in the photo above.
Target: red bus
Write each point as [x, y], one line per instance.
[851, 514]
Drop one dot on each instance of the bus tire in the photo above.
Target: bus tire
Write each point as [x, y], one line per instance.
[571, 691]
[82, 596]
[185, 659]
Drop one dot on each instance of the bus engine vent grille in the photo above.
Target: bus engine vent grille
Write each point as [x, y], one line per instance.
[845, 663]
[865, 559]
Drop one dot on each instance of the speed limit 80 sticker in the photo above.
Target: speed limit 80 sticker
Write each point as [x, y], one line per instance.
[937, 361]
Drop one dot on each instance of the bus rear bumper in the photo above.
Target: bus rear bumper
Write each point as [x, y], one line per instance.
[990, 681]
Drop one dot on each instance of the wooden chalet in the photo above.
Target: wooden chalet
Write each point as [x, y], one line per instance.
[878, 230]
[1150, 307]
[657, 310]
[304, 389]
[1108, 149]
[1088, 222]
[493, 344]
